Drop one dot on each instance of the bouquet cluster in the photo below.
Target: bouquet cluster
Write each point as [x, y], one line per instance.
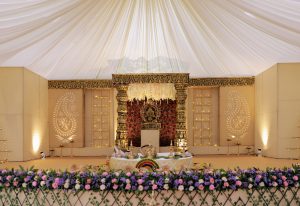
[191, 180]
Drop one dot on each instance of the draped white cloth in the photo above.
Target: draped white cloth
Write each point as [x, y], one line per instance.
[88, 39]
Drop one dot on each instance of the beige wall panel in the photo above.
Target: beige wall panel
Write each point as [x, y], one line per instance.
[11, 92]
[12, 131]
[266, 112]
[11, 113]
[289, 110]
[35, 107]
[277, 109]
[289, 81]
[241, 98]
[66, 107]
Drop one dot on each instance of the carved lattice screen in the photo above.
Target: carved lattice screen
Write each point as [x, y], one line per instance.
[203, 116]
[99, 117]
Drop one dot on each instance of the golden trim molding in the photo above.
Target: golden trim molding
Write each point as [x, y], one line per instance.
[79, 84]
[150, 78]
[223, 82]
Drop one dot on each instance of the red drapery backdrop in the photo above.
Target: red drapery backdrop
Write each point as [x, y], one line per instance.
[167, 120]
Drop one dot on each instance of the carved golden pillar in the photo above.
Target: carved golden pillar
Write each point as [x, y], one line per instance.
[181, 134]
[122, 97]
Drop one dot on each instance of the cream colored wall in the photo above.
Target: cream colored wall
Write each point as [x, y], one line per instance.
[266, 112]
[243, 92]
[35, 115]
[277, 111]
[21, 112]
[289, 110]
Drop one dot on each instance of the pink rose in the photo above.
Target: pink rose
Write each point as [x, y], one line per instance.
[201, 187]
[127, 187]
[295, 178]
[154, 187]
[7, 184]
[180, 181]
[44, 177]
[26, 179]
[87, 187]
[283, 178]
[285, 183]
[212, 180]
[15, 183]
[226, 184]
[274, 177]
[238, 183]
[128, 174]
[89, 181]
[8, 178]
[140, 181]
[115, 186]
[113, 180]
[211, 187]
[56, 180]
[34, 183]
[105, 173]
[54, 185]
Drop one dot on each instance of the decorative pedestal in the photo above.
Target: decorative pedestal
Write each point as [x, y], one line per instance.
[150, 137]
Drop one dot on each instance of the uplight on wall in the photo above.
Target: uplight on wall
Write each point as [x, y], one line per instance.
[265, 137]
[36, 142]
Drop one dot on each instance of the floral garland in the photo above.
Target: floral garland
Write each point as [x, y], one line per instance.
[207, 180]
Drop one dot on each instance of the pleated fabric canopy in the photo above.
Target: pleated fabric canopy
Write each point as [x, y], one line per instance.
[92, 39]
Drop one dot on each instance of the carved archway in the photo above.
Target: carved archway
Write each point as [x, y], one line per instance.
[122, 81]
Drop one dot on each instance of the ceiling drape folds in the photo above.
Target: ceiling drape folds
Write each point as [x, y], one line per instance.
[92, 39]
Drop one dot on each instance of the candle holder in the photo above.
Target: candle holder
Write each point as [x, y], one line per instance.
[171, 150]
[61, 147]
[228, 140]
[71, 141]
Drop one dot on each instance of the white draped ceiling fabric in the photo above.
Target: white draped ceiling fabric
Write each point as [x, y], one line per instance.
[91, 39]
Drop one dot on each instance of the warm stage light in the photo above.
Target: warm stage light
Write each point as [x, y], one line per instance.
[36, 142]
[265, 137]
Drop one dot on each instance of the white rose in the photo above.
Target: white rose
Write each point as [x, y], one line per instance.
[296, 184]
[201, 181]
[250, 179]
[103, 180]
[224, 179]
[140, 188]
[36, 178]
[24, 185]
[67, 181]
[262, 184]
[128, 181]
[167, 180]
[77, 181]
[180, 187]
[166, 186]
[77, 186]
[42, 183]
[250, 186]
[66, 185]
[191, 188]
[102, 187]
[117, 174]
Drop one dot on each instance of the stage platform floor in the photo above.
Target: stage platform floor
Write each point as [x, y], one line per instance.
[216, 161]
